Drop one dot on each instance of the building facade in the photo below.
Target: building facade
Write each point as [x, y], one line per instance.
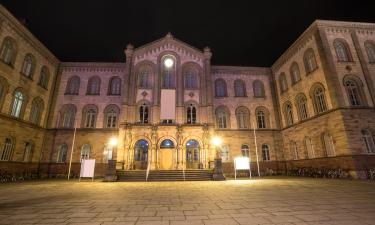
[314, 107]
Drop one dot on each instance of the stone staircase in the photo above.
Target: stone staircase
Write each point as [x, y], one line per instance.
[164, 175]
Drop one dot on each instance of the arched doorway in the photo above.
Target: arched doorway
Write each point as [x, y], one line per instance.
[141, 154]
[192, 154]
[167, 149]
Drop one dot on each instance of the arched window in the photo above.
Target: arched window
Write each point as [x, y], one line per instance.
[107, 153]
[294, 150]
[368, 140]
[28, 152]
[144, 77]
[17, 104]
[266, 152]
[370, 50]
[67, 116]
[191, 114]
[44, 78]
[224, 153]
[8, 147]
[114, 86]
[243, 117]
[222, 118]
[328, 145]
[319, 99]
[168, 71]
[302, 106]
[354, 91]
[143, 113]
[192, 154]
[310, 61]
[28, 65]
[167, 144]
[141, 150]
[8, 51]
[342, 51]
[72, 87]
[258, 89]
[288, 113]
[62, 153]
[93, 86]
[111, 116]
[191, 79]
[90, 113]
[245, 150]
[220, 88]
[85, 151]
[283, 83]
[295, 73]
[239, 88]
[37, 107]
[262, 115]
[309, 148]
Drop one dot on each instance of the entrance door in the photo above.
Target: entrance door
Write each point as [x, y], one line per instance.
[192, 155]
[141, 154]
[166, 151]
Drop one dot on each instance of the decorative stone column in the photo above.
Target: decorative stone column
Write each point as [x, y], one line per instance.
[179, 147]
[154, 140]
[128, 151]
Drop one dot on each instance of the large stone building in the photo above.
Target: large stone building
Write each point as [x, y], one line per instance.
[313, 108]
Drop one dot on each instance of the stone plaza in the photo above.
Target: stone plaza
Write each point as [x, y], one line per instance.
[257, 201]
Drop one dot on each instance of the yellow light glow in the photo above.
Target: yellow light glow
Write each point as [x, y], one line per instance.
[216, 141]
[168, 62]
[113, 141]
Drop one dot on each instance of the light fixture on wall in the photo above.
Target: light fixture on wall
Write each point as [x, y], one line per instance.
[168, 62]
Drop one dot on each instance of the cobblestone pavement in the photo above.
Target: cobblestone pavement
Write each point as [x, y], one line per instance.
[266, 201]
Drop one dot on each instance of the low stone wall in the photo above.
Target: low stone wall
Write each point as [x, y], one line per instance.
[58, 170]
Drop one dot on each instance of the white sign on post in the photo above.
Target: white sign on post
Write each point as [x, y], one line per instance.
[241, 163]
[87, 168]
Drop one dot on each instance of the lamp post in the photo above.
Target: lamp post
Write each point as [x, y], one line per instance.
[110, 174]
[218, 171]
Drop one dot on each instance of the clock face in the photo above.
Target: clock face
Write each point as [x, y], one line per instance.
[168, 62]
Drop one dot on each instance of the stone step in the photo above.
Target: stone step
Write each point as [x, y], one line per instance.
[164, 175]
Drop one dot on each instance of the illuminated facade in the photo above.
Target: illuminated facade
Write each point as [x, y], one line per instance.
[313, 108]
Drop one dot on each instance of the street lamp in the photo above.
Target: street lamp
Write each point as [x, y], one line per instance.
[218, 171]
[110, 174]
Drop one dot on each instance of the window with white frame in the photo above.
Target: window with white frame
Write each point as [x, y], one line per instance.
[370, 50]
[239, 88]
[342, 51]
[302, 107]
[288, 114]
[245, 150]
[8, 51]
[243, 117]
[62, 153]
[114, 86]
[258, 89]
[310, 61]
[85, 151]
[224, 153]
[191, 79]
[295, 73]
[328, 145]
[28, 152]
[294, 150]
[90, 116]
[309, 148]
[191, 114]
[28, 65]
[7, 152]
[36, 111]
[111, 115]
[319, 100]
[93, 86]
[265, 152]
[354, 92]
[67, 116]
[220, 88]
[368, 140]
[222, 118]
[72, 87]
[17, 104]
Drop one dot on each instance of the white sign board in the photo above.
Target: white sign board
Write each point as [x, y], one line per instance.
[241, 163]
[87, 168]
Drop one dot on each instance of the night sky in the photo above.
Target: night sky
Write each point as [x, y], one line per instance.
[247, 33]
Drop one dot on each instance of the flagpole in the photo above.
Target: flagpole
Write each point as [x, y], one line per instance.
[256, 149]
[71, 152]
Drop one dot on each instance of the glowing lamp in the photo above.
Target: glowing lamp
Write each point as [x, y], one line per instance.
[113, 141]
[216, 141]
[168, 62]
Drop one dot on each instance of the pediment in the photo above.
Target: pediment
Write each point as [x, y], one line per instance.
[151, 51]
